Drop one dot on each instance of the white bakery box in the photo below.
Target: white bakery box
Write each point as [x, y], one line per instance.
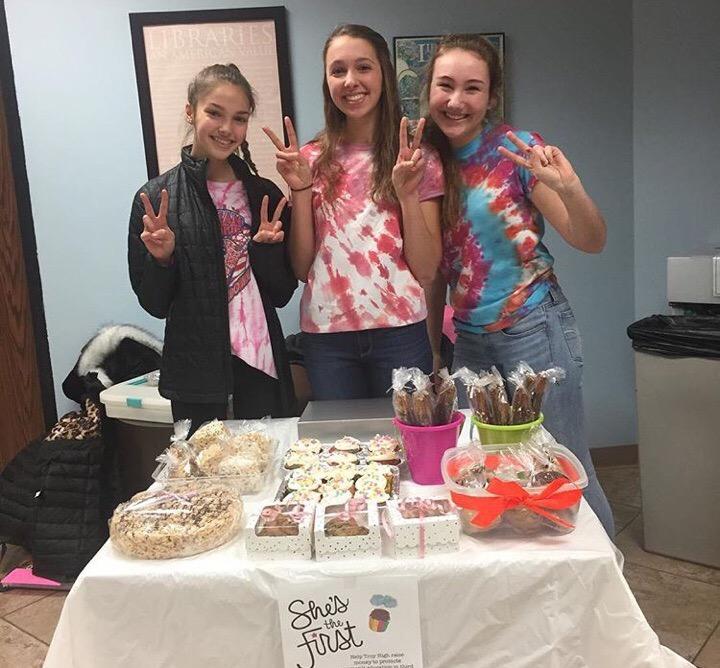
[137, 399]
[417, 528]
[267, 536]
[347, 531]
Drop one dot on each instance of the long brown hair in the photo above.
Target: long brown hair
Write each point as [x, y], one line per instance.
[486, 52]
[212, 75]
[385, 143]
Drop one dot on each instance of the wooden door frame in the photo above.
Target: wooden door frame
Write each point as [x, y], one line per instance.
[27, 227]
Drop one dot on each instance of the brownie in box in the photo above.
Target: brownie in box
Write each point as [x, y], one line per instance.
[280, 531]
[347, 531]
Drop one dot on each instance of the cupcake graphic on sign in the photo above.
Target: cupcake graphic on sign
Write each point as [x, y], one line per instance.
[380, 616]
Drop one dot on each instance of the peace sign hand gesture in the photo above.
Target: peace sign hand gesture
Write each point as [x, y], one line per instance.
[547, 163]
[158, 238]
[270, 231]
[410, 165]
[291, 164]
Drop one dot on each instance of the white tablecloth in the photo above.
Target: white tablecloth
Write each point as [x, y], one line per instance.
[550, 601]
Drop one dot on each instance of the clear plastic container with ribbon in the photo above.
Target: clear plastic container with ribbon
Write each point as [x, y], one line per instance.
[529, 487]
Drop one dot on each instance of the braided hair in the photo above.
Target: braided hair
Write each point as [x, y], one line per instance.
[207, 78]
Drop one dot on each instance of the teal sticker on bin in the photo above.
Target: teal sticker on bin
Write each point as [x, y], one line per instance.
[133, 403]
[138, 381]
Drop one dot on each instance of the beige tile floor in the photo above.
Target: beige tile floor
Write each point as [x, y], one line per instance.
[680, 600]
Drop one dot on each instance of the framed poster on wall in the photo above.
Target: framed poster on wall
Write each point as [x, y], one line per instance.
[412, 55]
[170, 48]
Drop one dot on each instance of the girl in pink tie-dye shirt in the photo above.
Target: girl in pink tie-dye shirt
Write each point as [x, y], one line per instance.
[366, 233]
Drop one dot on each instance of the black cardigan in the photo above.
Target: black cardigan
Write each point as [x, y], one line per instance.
[191, 294]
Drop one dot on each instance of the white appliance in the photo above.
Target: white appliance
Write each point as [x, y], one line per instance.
[694, 279]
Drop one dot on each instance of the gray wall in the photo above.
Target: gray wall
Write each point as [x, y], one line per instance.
[569, 67]
[676, 137]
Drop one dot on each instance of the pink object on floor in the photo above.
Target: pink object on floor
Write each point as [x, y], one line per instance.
[24, 578]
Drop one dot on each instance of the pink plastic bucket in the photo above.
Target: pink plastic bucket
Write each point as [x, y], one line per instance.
[425, 446]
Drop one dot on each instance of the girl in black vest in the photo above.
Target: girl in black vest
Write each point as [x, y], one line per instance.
[205, 255]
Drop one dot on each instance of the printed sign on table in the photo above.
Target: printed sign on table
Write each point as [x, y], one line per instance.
[366, 622]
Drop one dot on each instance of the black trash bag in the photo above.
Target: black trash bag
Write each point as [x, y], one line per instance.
[677, 335]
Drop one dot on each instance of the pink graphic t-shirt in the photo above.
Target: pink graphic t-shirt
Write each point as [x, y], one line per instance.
[359, 278]
[249, 336]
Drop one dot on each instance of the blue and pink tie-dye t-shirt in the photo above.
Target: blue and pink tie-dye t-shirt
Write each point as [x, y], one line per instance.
[494, 260]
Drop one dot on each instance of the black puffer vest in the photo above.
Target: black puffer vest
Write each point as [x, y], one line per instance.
[191, 294]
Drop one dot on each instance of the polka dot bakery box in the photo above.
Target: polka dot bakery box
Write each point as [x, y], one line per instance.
[280, 531]
[347, 531]
[417, 527]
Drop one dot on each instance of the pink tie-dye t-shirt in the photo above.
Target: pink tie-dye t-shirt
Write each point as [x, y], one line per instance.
[359, 278]
[249, 335]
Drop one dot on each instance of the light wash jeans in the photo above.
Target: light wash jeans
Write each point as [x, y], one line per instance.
[546, 337]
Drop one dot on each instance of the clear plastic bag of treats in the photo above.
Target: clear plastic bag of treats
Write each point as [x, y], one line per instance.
[529, 388]
[241, 457]
[413, 398]
[178, 460]
[176, 519]
[486, 395]
[529, 487]
[445, 398]
[419, 401]
[251, 439]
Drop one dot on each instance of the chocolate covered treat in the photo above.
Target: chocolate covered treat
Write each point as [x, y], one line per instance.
[545, 477]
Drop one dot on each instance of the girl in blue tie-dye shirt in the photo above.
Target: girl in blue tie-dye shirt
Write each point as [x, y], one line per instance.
[507, 303]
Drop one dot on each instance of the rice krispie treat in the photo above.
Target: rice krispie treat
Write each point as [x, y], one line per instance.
[210, 433]
[240, 465]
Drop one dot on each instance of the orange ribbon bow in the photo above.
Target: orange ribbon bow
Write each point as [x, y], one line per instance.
[510, 494]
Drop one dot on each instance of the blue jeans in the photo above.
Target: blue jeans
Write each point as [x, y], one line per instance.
[544, 338]
[359, 365]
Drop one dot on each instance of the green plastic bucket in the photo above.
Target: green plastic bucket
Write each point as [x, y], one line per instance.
[497, 434]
